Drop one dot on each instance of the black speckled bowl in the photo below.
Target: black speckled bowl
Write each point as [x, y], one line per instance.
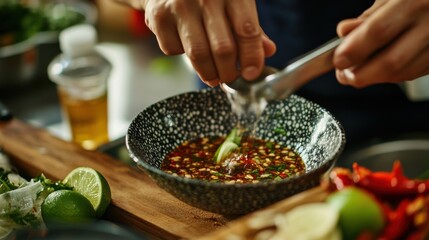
[312, 131]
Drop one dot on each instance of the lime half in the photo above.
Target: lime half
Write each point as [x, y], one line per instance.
[67, 207]
[92, 185]
[358, 210]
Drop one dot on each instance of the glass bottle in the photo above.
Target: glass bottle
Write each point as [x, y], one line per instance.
[81, 75]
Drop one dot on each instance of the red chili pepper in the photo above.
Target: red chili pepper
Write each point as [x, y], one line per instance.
[419, 210]
[421, 233]
[409, 219]
[392, 183]
[418, 235]
[201, 154]
[341, 178]
[398, 222]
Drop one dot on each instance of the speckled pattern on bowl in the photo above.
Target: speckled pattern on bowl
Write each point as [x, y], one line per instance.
[312, 131]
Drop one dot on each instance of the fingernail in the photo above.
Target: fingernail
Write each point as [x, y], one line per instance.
[340, 76]
[250, 73]
[211, 83]
[349, 75]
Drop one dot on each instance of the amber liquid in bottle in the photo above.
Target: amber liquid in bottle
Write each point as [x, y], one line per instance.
[88, 119]
[81, 75]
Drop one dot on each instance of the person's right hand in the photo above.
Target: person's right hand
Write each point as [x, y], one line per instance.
[222, 38]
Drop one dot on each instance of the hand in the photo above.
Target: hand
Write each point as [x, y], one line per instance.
[222, 38]
[388, 43]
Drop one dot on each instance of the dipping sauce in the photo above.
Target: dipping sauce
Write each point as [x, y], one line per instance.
[256, 160]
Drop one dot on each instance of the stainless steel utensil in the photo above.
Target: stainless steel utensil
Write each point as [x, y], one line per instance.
[281, 84]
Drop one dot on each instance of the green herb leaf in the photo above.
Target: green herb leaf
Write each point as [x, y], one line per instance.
[280, 130]
[50, 185]
[5, 184]
[270, 145]
[28, 219]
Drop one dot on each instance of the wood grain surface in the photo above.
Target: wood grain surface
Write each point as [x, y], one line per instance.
[137, 201]
[240, 228]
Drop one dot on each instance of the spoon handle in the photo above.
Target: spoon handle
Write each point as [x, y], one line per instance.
[300, 71]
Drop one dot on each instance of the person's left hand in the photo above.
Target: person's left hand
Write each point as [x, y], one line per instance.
[388, 43]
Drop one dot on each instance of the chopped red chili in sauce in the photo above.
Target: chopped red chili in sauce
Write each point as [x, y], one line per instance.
[256, 160]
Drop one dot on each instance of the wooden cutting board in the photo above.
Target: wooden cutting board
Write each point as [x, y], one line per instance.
[137, 201]
[242, 229]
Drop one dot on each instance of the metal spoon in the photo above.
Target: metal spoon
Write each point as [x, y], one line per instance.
[280, 84]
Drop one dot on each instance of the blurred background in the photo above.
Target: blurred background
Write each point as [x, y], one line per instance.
[141, 74]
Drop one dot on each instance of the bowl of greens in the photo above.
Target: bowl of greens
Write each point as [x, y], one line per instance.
[191, 146]
[29, 36]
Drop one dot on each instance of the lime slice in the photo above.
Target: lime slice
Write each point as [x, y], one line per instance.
[309, 221]
[92, 185]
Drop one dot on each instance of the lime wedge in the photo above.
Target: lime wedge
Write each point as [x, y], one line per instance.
[231, 143]
[92, 185]
[225, 150]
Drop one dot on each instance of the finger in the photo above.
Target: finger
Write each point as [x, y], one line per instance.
[169, 41]
[221, 40]
[348, 77]
[419, 67]
[377, 4]
[269, 46]
[407, 54]
[161, 23]
[374, 33]
[247, 31]
[372, 74]
[195, 44]
[346, 26]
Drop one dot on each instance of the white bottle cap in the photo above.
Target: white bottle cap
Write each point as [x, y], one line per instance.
[77, 40]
